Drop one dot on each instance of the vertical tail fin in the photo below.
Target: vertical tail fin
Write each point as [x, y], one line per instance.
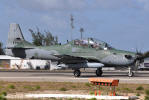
[14, 35]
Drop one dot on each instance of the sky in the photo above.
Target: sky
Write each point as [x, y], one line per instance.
[122, 23]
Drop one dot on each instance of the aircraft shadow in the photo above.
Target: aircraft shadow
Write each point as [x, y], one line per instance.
[112, 76]
[89, 76]
[49, 75]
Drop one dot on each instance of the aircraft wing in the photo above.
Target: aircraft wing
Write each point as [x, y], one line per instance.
[67, 59]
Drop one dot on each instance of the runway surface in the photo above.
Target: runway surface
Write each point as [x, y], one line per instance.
[141, 77]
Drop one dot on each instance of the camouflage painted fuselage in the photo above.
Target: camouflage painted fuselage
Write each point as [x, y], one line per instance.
[110, 57]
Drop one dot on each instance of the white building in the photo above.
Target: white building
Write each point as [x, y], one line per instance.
[145, 64]
[8, 62]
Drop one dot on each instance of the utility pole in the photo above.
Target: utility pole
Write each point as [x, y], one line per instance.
[72, 26]
[81, 31]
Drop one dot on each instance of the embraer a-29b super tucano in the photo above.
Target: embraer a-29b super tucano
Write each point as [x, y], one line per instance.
[79, 53]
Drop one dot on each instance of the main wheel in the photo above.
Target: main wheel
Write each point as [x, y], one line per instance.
[77, 73]
[99, 72]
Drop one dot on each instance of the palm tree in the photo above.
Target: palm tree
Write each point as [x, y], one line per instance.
[81, 31]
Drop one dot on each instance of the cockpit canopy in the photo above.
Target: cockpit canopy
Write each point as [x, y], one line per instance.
[93, 43]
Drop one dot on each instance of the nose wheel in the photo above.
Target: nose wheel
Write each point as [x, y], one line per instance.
[130, 72]
[77, 73]
[99, 72]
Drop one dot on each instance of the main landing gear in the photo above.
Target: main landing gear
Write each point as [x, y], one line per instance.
[77, 73]
[99, 72]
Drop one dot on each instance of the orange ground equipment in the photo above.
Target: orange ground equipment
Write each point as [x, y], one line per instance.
[105, 82]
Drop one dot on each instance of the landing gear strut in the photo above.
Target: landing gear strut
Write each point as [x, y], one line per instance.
[99, 72]
[130, 72]
[77, 73]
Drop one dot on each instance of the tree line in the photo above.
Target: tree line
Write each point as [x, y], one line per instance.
[43, 39]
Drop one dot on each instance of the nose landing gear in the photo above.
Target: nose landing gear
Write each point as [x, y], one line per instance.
[130, 72]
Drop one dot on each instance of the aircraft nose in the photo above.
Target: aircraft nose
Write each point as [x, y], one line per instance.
[118, 59]
[125, 59]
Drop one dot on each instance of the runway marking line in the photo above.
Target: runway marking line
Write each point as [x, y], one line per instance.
[67, 78]
[74, 96]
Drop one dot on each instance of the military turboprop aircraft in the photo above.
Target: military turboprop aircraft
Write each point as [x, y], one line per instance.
[79, 53]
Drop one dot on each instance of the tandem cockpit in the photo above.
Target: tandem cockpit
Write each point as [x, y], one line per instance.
[93, 43]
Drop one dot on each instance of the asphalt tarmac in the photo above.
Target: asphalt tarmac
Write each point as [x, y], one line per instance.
[141, 77]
